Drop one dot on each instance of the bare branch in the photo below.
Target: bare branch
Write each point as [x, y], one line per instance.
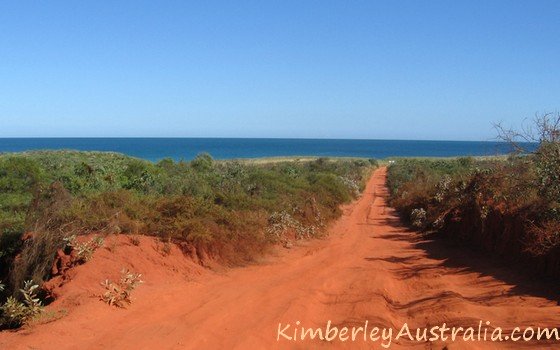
[543, 128]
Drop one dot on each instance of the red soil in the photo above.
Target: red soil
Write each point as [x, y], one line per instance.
[370, 268]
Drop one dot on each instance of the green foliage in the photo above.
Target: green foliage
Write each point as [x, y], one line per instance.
[20, 178]
[19, 175]
[84, 250]
[220, 207]
[119, 293]
[523, 188]
[15, 313]
[436, 186]
[279, 225]
[202, 163]
[404, 171]
[548, 171]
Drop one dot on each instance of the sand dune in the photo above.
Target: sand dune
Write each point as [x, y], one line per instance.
[370, 268]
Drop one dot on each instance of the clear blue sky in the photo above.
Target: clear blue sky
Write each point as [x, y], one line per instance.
[328, 69]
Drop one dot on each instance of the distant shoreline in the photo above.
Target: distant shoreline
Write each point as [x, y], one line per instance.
[155, 149]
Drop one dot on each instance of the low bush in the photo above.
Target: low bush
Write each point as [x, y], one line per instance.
[119, 293]
[498, 205]
[14, 313]
[84, 250]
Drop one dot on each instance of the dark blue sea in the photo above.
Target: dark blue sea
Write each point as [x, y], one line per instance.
[226, 148]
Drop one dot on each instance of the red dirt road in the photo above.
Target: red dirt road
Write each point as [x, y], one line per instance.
[370, 268]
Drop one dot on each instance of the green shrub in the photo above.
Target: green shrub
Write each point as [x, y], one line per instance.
[84, 250]
[14, 313]
[548, 171]
[119, 293]
[520, 187]
[202, 163]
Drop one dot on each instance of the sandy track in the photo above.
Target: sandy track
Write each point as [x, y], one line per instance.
[370, 268]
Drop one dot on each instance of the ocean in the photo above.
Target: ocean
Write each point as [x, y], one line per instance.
[155, 149]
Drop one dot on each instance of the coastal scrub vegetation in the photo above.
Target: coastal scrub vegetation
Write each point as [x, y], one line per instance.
[224, 210]
[505, 205]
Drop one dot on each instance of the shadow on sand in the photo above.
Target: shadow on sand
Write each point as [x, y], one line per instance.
[446, 258]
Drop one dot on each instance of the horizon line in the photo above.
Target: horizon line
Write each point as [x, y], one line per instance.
[249, 138]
